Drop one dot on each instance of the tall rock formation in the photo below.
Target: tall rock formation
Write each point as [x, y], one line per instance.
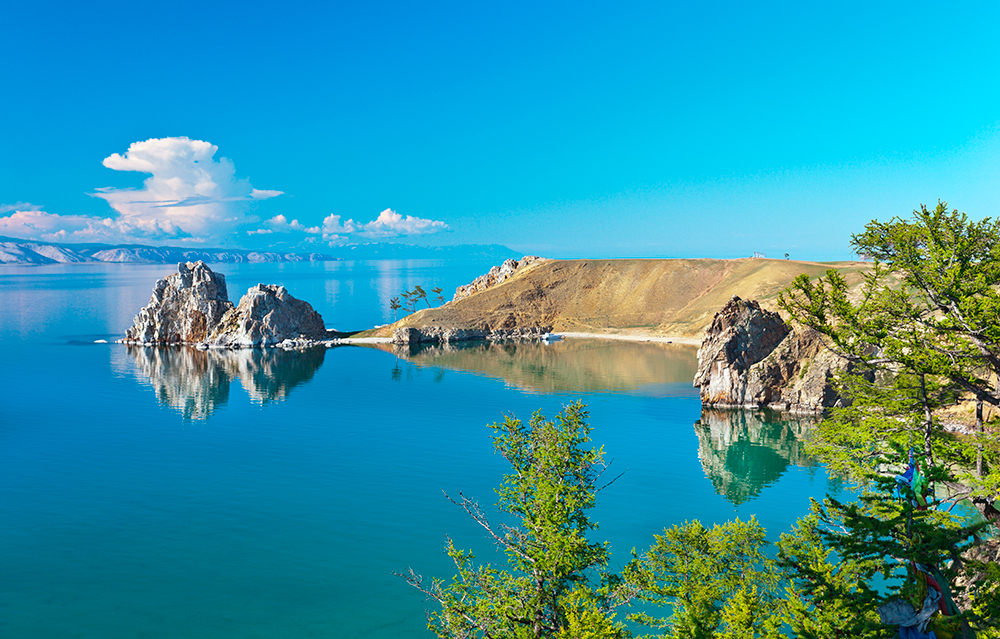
[266, 316]
[750, 358]
[193, 307]
[184, 307]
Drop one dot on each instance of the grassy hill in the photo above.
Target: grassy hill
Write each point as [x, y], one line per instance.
[666, 297]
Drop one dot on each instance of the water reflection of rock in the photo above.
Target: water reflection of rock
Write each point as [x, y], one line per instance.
[570, 365]
[196, 383]
[744, 451]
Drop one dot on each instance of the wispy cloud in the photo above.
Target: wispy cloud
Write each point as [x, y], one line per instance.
[19, 206]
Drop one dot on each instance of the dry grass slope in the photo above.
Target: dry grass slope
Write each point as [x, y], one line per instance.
[658, 297]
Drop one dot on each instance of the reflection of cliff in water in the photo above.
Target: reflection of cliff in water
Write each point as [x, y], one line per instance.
[569, 365]
[197, 382]
[744, 451]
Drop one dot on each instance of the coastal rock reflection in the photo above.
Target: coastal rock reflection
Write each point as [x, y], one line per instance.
[743, 451]
[196, 383]
[652, 368]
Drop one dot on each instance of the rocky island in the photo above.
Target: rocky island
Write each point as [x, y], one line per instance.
[192, 307]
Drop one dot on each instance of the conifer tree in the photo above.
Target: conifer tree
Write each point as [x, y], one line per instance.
[927, 324]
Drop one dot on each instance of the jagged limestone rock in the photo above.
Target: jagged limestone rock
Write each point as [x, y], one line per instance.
[185, 307]
[496, 275]
[266, 316]
[750, 358]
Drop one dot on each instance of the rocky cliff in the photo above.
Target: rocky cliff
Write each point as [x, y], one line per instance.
[192, 307]
[750, 358]
[184, 308]
[267, 316]
[496, 275]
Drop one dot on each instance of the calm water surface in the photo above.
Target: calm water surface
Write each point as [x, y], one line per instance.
[174, 493]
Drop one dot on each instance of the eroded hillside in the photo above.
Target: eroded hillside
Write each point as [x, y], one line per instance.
[665, 297]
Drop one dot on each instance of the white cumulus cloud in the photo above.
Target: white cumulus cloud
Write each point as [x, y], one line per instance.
[189, 196]
[188, 192]
[388, 224]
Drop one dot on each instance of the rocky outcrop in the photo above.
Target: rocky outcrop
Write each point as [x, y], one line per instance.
[496, 275]
[267, 316]
[192, 307]
[750, 358]
[436, 334]
[185, 307]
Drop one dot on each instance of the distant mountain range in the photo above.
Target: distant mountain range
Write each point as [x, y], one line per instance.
[17, 251]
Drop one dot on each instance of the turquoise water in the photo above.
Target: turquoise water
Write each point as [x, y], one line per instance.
[170, 493]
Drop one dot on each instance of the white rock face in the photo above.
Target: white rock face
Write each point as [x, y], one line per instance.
[184, 307]
[750, 358]
[267, 316]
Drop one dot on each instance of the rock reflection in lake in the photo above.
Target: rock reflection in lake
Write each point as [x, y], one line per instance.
[569, 365]
[196, 383]
[743, 451]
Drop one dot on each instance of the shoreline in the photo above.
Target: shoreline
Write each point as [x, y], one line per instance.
[633, 337]
[298, 343]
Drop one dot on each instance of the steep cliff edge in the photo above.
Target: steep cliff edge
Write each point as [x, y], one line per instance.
[184, 307]
[750, 358]
[496, 275]
[266, 316]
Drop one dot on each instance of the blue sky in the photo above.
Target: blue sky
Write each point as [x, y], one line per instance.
[564, 129]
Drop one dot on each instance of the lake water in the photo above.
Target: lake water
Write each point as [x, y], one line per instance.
[175, 493]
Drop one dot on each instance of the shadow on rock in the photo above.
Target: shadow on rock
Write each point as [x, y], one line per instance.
[743, 451]
[196, 383]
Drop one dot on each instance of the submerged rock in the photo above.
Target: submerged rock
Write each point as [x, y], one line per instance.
[185, 307]
[266, 316]
[750, 358]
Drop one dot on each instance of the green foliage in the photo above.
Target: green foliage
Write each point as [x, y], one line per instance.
[556, 582]
[831, 572]
[826, 596]
[926, 324]
[924, 327]
[717, 581]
